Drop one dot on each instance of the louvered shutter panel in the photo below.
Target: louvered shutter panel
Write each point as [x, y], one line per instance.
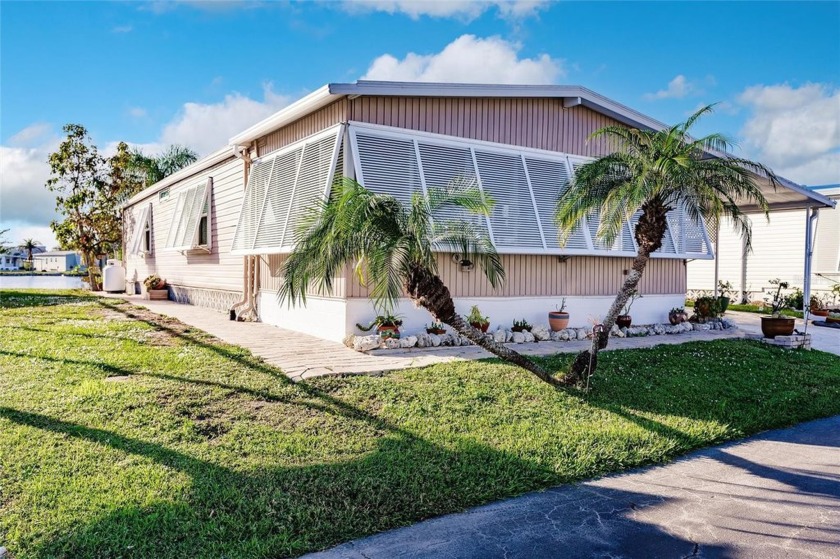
[315, 167]
[447, 168]
[513, 218]
[388, 166]
[252, 203]
[549, 179]
[176, 219]
[277, 200]
[192, 214]
[139, 229]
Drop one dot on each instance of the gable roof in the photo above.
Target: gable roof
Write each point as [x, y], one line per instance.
[794, 195]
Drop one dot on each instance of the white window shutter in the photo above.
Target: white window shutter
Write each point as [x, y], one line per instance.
[279, 188]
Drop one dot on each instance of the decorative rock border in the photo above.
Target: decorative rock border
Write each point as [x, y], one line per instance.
[539, 333]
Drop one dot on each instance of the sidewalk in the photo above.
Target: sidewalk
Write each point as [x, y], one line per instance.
[301, 356]
[775, 495]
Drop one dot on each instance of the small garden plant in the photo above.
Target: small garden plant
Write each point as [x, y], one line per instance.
[521, 326]
[154, 282]
[435, 328]
[634, 295]
[562, 306]
[779, 301]
[382, 320]
[477, 320]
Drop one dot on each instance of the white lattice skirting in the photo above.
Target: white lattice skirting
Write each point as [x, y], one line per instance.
[215, 299]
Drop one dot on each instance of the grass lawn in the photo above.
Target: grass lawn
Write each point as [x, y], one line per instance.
[126, 435]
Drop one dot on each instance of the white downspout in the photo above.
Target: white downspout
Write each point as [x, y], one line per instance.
[717, 259]
[241, 152]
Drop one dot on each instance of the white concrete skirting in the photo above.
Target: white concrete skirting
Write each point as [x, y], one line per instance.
[333, 319]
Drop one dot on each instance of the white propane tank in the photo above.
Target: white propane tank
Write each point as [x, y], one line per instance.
[113, 276]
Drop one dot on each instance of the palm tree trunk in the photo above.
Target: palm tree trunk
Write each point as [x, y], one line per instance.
[427, 290]
[649, 234]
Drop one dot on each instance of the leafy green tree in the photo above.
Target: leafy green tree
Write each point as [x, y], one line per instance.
[152, 169]
[394, 246]
[89, 189]
[4, 247]
[654, 172]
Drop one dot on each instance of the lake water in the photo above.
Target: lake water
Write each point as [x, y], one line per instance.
[40, 282]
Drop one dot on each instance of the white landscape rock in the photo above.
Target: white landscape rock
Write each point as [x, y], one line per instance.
[434, 339]
[518, 337]
[408, 341]
[366, 343]
[500, 336]
[423, 340]
[541, 333]
[529, 336]
[391, 343]
[571, 334]
[582, 333]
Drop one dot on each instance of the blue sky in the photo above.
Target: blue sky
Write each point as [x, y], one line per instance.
[154, 73]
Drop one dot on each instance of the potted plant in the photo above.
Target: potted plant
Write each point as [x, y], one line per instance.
[478, 321]
[558, 319]
[818, 306]
[435, 328]
[833, 317]
[387, 326]
[706, 308]
[521, 326]
[624, 320]
[677, 315]
[776, 324]
[724, 290]
[156, 288]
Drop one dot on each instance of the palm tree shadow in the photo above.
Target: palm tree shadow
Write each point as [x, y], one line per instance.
[285, 511]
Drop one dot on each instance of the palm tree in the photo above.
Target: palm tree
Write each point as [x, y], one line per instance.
[157, 167]
[396, 244]
[651, 173]
[30, 245]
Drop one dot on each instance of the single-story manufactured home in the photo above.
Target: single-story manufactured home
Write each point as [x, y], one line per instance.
[219, 230]
[778, 252]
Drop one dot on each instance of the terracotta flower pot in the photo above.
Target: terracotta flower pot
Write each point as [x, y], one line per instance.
[480, 326]
[558, 320]
[832, 320]
[677, 318]
[772, 326]
[819, 312]
[624, 320]
[436, 331]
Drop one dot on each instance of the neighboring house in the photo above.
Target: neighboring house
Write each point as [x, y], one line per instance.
[778, 252]
[222, 227]
[16, 257]
[56, 261]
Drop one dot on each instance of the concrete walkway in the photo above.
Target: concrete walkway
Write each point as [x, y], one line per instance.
[301, 356]
[776, 495]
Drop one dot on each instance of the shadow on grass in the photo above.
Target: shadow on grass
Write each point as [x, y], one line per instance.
[287, 511]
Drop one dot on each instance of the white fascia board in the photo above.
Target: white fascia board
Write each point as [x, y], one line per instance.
[317, 99]
[202, 164]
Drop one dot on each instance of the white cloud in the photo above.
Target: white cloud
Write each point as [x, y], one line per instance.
[677, 88]
[472, 60]
[32, 136]
[462, 9]
[207, 127]
[119, 29]
[796, 131]
[18, 232]
[137, 112]
[23, 197]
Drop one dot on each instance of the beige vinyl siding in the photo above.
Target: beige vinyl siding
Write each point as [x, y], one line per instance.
[540, 276]
[217, 270]
[535, 123]
[271, 277]
[304, 127]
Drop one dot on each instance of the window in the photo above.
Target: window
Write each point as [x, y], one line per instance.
[163, 194]
[141, 240]
[191, 224]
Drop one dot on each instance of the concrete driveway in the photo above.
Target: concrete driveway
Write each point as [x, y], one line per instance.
[772, 496]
